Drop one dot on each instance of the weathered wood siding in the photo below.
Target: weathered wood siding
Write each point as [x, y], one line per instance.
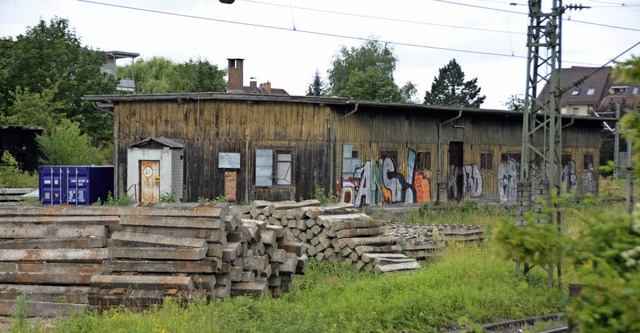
[491, 148]
[207, 127]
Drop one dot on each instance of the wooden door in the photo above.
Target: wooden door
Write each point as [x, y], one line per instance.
[149, 181]
[456, 174]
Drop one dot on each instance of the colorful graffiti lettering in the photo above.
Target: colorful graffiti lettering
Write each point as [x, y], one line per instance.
[508, 174]
[383, 182]
[465, 179]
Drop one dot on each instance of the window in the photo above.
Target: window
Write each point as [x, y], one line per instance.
[512, 156]
[423, 160]
[576, 111]
[486, 161]
[618, 90]
[591, 91]
[390, 154]
[575, 92]
[565, 159]
[635, 90]
[283, 168]
[588, 162]
[265, 167]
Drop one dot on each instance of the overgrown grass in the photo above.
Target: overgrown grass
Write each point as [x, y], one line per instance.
[468, 281]
[467, 284]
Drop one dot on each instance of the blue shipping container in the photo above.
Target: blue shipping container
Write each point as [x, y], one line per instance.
[74, 184]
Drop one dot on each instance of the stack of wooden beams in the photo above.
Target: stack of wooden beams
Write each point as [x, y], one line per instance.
[64, 258]
[332, 232]
[424, 241]
[50, 256]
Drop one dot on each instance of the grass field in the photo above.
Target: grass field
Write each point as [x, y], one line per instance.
[467, 284]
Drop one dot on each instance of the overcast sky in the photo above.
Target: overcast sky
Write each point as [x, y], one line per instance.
[285, 41]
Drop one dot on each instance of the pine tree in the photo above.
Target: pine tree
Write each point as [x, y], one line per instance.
[450, 89]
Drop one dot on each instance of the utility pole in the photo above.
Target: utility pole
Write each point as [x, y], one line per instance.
[541, 151]
[616, 147]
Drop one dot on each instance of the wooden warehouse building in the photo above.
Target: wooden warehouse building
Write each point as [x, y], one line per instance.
[249, 146]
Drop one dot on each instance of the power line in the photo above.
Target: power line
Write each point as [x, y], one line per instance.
[324, 34]
[380, 17]
[520, 13]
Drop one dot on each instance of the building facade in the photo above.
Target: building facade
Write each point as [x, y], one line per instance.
[249, 146]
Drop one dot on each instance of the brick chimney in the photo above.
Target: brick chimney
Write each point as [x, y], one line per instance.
[267, 87]
[236, 74]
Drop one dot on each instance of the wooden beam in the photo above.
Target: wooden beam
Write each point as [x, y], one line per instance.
[29, 230]
[141, 238]
[146, 266]
[168, 253]
[76, 255]
[147, 282]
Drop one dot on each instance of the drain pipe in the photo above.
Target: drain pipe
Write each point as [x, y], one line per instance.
[439, 177]
[355, 109]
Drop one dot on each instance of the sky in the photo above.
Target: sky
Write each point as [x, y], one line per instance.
[285, 41]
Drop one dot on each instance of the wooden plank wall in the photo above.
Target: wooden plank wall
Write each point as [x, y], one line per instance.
[208, 127]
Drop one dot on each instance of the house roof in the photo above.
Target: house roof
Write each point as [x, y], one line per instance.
[151, 141]
[581, 85]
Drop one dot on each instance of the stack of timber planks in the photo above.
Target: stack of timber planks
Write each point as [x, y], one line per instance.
[424, 241]
[50, 256]
[332, 232]
[65, 258]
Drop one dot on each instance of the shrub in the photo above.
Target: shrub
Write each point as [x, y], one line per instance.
[12, 176]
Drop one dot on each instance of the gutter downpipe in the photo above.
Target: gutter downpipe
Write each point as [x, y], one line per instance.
[438, 181]
[355, 109]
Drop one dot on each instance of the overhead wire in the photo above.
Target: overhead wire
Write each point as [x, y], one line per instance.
[324, 34]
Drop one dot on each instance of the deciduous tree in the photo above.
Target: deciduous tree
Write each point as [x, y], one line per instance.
[50, 57]
[356, 66]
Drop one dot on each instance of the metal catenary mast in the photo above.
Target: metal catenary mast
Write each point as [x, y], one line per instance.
[541, 151]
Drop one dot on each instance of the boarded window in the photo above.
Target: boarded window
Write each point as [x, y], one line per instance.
[508, 156]
[423, 160]
[486, 161]
[566, 158]
[264, 167]
[588, 162]
[283, 168]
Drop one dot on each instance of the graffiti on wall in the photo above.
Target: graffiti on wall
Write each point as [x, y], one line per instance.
[589, 180]
[383, 181]
[508, 174]
[465, 179]
[569, 178]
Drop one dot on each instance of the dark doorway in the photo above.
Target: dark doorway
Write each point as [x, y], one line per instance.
[456, 174]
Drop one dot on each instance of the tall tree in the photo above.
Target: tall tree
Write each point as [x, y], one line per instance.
[515, 103]
[450, 89]
[365, 64]
[317, 86]
[51, 55]
[160, 75]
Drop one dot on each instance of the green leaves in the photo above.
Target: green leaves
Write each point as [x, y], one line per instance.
[450, 89]
[66, 145]
[366, 73]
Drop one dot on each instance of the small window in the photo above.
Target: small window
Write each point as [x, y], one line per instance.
[591, 91]
[617, 90]
[635, 90]
[423, 160]
[486, 161]
[266, 167]
[283, 168]
[588, 162]
[576, 111]
[391, 154]
[575, 92]
[513, 156]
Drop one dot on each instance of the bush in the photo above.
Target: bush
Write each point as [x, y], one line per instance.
[66, 145]
[11, 176]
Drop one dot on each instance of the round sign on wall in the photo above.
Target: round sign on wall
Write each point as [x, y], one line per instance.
[147, 172]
